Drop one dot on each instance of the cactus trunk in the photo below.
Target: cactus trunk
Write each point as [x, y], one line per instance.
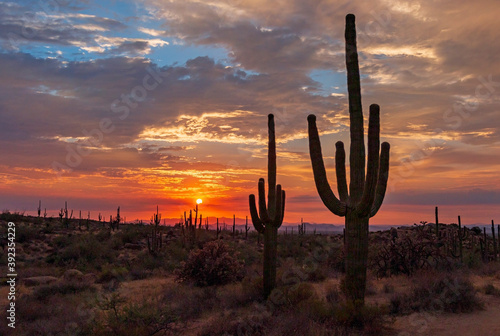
[356, 249]
[270, 255]
[269, 217]
[366, 192]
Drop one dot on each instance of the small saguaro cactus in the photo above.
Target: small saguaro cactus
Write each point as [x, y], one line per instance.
[365, 194]
[247, 228]
[495, 247]
[269, 218]
[155, 242]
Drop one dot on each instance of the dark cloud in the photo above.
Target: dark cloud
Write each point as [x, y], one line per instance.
[454, 197]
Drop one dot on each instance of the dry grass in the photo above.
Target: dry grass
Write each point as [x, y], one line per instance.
[136, 293]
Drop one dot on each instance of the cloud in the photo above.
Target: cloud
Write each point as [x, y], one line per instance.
[455, 197]
[432, 67]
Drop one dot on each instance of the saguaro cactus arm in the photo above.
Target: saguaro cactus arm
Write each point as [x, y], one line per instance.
[341, 173]
[383, 176]
[273, 212]
[366, 193]
[269, 218]
[325, 192]
[357, 152]
[257, 223]
[368, 197]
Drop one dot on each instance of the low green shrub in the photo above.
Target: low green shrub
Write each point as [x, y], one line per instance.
[213, 265]
[437, 292]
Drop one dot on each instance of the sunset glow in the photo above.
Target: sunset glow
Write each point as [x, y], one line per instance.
[152, 102]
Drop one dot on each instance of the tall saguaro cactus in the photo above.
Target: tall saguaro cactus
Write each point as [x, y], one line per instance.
[269, 218]
[365, 194]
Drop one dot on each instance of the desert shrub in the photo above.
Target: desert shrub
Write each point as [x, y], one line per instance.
[58, 314]
[477, 230]
[240, 294]
[43, 292]
[247, 323]
[128, 234]
[490, 289]
[111, 272]
[15, 216]
[188, 302]
[83, 252]
[24, 233]
[150, 317]
[139, 273]
[490, 269]
[62, 241]
[103, 235]
[292, 247]
[369, 320]
[388, 288]
[408, 254]
[212, 265]
[336, 258]
[437, 292]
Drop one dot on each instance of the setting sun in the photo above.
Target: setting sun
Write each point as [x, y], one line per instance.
[199, 201]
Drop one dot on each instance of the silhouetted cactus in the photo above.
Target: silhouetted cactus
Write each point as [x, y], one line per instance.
[462, 235]
[155, 242]
[247, 228]
[234, 226]
[302, 228]
[269, 218]
[366, 194]
[64, 213]
[437, 221]
[495, 247]
[219, 229]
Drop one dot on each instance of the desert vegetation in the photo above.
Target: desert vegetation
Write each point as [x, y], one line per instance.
[78, 276]
[98, 281]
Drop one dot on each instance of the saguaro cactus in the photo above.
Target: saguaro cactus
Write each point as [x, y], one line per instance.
[269, 218]
[365, 194]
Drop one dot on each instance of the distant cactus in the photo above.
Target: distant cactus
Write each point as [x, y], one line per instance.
[155, 242]
[301, 227]
[366, 194]
[437, 221]
[234, 226]
[462, 235]
[65, 216]
[247, 228]
[219, 229]
[269, 218]
[495, 247]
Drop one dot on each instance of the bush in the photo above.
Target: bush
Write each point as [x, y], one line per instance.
[145, 318]
[82, 252]
[437, 292]
[42, 293]
[490, 289]
[371, 320]
[212, 265]
[110, 273]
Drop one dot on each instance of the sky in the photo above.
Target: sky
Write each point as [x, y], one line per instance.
[161, 102]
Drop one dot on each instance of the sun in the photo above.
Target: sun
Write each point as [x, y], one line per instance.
[199, 201]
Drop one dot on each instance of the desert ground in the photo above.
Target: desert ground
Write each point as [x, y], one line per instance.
[95, 278]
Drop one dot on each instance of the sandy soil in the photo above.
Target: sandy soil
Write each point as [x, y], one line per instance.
[478, 323]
